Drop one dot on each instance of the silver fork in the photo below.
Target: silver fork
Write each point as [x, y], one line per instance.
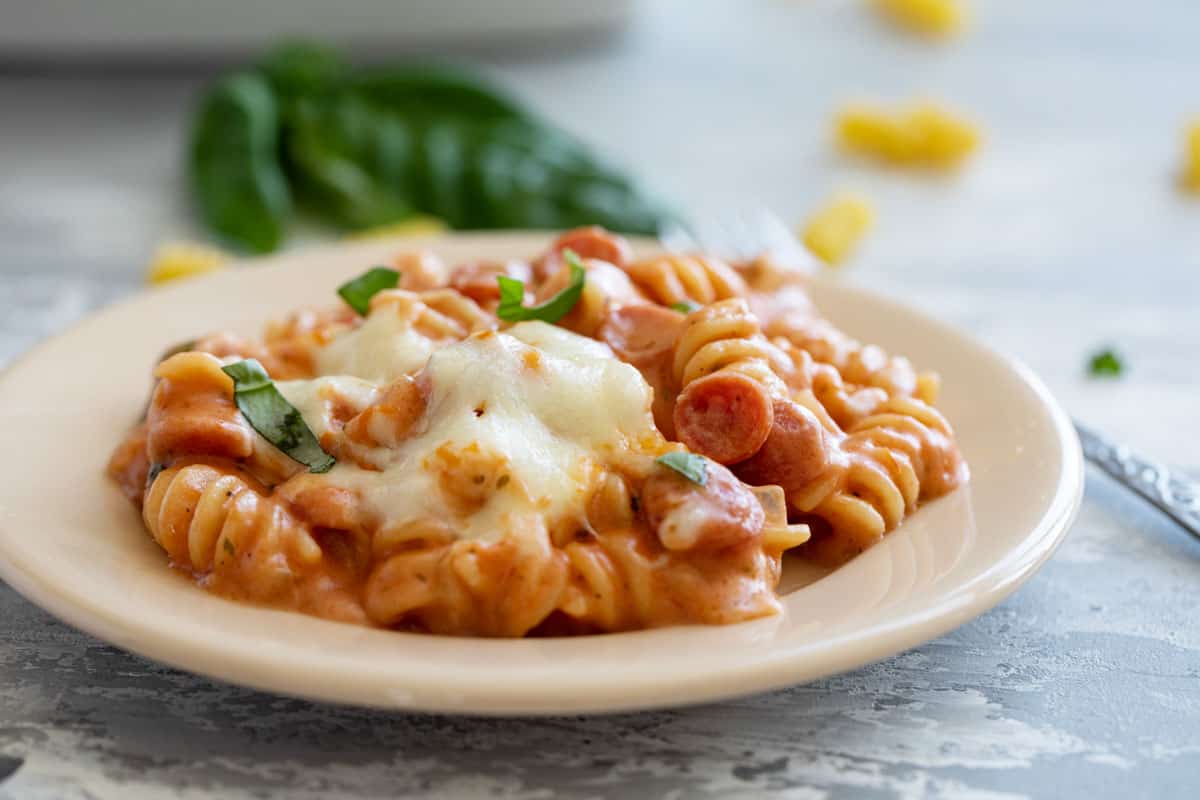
[749, 234]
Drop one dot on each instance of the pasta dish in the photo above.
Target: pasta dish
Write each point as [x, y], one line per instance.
[584, 442]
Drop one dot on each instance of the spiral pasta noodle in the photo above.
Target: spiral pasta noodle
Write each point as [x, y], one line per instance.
[502, 588]
[676, 278]
[647, 461]
[898, 456]
[208, 519]
[435, 313]
[729, 376]
[850, 378]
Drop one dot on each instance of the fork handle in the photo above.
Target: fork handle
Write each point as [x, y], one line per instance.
[1173, 494]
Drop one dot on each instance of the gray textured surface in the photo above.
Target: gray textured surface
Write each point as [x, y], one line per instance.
[1065, 234]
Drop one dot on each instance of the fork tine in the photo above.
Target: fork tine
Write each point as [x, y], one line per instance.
[741, 236]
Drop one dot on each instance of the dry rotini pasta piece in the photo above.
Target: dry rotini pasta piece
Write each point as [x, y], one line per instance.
[416, 225]
[938, 19]
[835, 230]
[673, 278]
[177, 260]
[1191, 167]
[925, 135]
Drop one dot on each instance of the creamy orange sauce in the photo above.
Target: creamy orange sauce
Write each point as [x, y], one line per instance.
[499, 480]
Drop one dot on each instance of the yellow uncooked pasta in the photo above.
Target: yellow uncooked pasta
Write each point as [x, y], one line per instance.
[419, 225]
[175, 260]
[925, 135]
[1191, 170]
[834, 231]
[938, 19]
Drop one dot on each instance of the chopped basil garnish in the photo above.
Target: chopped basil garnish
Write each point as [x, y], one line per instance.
[358, 292]
[153, 472]
[684, 306]
[273, 416]
[1106, 363]
[512, 296]
[690, 465]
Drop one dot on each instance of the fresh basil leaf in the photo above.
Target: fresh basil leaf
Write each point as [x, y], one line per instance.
[236, 176]
[685, 306]
[301, 70]
[358, 292]
[155, 470]
[692, 466]
[512, 296]
[269, 413]
[1106, 363]
[435, 92]
[349, 164]
[363, 147]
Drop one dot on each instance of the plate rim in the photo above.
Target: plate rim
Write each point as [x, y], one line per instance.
[768, 672]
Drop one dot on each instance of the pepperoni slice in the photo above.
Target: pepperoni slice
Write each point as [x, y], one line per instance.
[726, 416]
[794, 454]
[595, 242]
[685, 516]
[641, 334]
[591, 241]
[477, 279]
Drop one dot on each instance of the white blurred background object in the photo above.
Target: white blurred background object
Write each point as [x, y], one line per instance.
[37, 30]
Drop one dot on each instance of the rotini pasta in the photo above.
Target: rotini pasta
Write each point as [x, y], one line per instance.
[728, 376]
[670, 279]
[645, 460]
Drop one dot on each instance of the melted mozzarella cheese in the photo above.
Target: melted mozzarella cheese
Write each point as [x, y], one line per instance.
[384, 346]
[313, 398]
[540, 409]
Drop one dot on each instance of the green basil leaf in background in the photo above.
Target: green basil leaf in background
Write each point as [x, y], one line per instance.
[692, 466]
[358, 292]
[333, 153]
[367, 147]
[236, 176]
[433, 92]
[512, 296]
[269, 413]
[302, 71]
[531, 176]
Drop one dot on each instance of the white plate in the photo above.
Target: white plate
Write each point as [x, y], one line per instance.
[73, 545]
